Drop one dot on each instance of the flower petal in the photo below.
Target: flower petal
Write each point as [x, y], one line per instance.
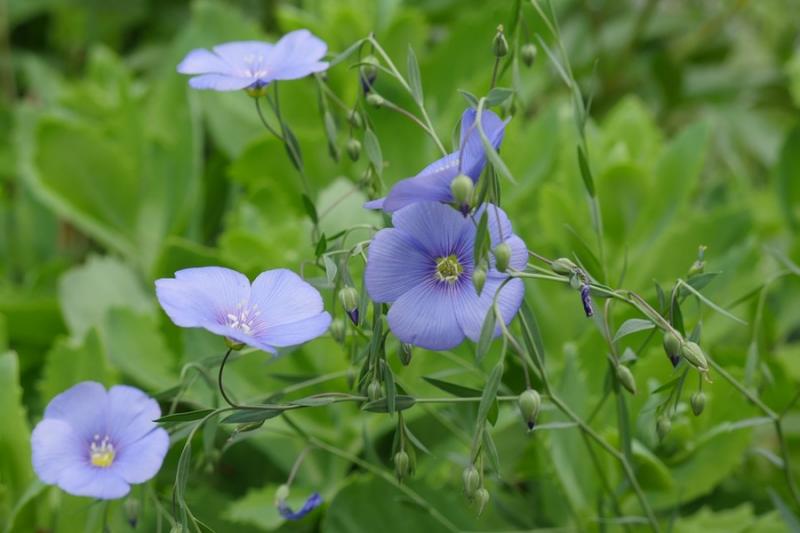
[82, 406]
[296, 332]
[241, 54]
[198, 297]
[440, 229]
[130, 414]
[283, 297]
[474, 155]
[221, 82]
[375, 204]
[425, 316]
[87, 480]
[471, 309]
[396, 263]
[201, 61]
[313, 501]
[139, 461]
[432, 184]
[293, 72]
[55, 447]
[299, 47]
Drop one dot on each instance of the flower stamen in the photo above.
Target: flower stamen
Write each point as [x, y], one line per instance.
[102, 451]
[448, 269]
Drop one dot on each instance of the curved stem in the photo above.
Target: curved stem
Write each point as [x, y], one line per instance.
[221, 385]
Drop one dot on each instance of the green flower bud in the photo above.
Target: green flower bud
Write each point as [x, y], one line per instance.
[563, 266]
[479, 278]
[233, 345]
[349, 298]
[369, 68]
[282, 493]
[338, 330]
[374, 391]
[575, 282]
[401, 463]
[697, 268]
[625, 376]
[500, 45]
[375, 99]
[698, 402]
[663, 425]
[528, 54]
[354, 117]
[502, 255]
[529, 403]
[461, 188]
[472, 480]
[692, 352]
[132, 508]
[481, 499]
[406, 351]
[672, 347]
[353, 149]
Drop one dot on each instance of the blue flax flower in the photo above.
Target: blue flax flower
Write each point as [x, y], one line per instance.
[279, 309]
[433, 182]
[313, 501]
[96, 443]
[254, 64]
[423, 266]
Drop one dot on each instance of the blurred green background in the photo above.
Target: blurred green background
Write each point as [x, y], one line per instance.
[113, 173]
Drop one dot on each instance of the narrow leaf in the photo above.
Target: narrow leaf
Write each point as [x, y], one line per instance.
[710, 303]
[633, 325]
[184, 417]
[373, 149]
[402, 402]
[414, 80]
[487, 335]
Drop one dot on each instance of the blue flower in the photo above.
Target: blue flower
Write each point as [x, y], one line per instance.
[313, 501]
[96, 443]
[423, 266]
[279, 309]
[433, 182]
[254, 64]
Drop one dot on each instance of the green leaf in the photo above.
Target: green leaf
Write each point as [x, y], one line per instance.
[373, 149]
[586, 173]
[788, 178]
[471, 99]
[498, 95]
[187, 416]
[252, 415]
[709, 303]
[482, 239]
[491, 153]
[489, 394]
[402, 402]
[311, 210]
[391, 389]
[487, 335]
[15, 466]
[414, 79]
[789, 517]
[69, 362]
[633, 325]
[453, 388]
[699, 281]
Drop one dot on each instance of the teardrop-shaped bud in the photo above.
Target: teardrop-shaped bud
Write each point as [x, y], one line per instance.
[529, 403]
[461, 188]
[500, 44]
[481, 499]
[472, 480]
[374, 391]
[563, 266]
[692, 352]
[405, 353]
[354, 117]
[374, 99]
[479, 279]
[698, 401]
[528, 53]
[672, 347]
[338, 330]
[625, 376]
[502, 255]
[353, 149]
[401, 463]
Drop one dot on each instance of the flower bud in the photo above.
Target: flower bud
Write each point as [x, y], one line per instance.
[233, 345]
[698, 402]
[353, 149]
[369, 72]
[529, 403]
[401, 463]
[586, 300]
[472, 480]
[406, 351]
[375, 99]
[282, 493]
[479, 279]
[338, 330]
[692, 352]
[625, 376]
[374, 391]
[563, 266]
[500, 45]
[672, 347]
[575, 281]
[663, 425]
[461, 188]
[481, 499]
[697, 268]
[502, 255]
[349, 298]
[354, 117]
[528, 54]
[132, 508]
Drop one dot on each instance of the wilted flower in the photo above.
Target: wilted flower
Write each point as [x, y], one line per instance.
[313, 501]
[254, 64]
[279, 309]
[423, 266]
[433, 182]
[97, 443]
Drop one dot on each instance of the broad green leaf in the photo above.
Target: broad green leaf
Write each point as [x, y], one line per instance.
[69, 362]
[15, 449]
[633, 325]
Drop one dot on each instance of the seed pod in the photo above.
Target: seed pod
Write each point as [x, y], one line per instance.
[698, 401]
[692, 352]
[500, 45]
[563, 266]
[353, 149]
[338, 330]
[472, 480]
[461, 188]
[672, 347]
[502, 255]
[374, 391]
[406, 352]
[479, 278]
[375, 99]
[663, 425]
[401, 463]
[481, 499]
[529, 403]
[625, 376]
[528, 54]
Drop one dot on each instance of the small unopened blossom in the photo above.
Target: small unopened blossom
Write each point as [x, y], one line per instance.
[96, 442]
[423, 266]
[279, 309]
[313, 501]
[586, 299]
[254, 64]
[433, 183]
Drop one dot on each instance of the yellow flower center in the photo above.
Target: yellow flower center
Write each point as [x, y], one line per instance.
[448, 269]
[102, 451]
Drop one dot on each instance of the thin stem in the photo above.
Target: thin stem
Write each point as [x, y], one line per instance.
[296, 465]
[221, 385]
[264, 120]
